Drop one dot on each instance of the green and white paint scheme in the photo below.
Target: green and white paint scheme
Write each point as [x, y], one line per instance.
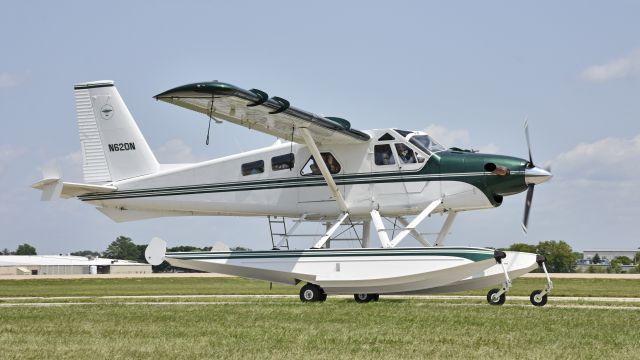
[365, 175]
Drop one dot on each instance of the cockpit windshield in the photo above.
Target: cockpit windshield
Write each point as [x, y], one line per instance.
[426, 143]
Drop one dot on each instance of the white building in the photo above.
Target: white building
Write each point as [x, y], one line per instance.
[67, 265]
[609, 255]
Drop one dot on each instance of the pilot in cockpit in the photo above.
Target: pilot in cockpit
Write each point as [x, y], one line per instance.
[406, 155]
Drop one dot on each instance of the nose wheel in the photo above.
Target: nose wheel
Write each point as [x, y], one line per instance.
[539, 297]
[499, 296]
[496, 296]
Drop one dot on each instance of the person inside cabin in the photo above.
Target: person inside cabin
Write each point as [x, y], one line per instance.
[331, 163]
[386, 156]
[406, 155]
[315, 170]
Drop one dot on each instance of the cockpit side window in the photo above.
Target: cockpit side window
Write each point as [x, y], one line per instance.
[311, 168]
[383, 155]
[406, 155]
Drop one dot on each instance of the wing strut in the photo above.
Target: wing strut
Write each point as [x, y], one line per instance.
[330, 231]
[414, 233]
[409, 228]
[446, 227]
[323, 169]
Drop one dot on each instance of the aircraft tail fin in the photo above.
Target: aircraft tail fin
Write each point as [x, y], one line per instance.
[113, 148]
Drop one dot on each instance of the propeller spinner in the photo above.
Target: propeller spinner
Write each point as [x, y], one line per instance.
[533, 176]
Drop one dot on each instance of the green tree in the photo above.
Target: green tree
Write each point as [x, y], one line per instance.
[240, 248]
[122, 248]
[596, 259]
[85, 253]
[559, 255]
[636, 259]
[26, 249]
[616, 266]
[165, 267]
[6, 251]
[522, 247]
[623, 260]
[184, 248]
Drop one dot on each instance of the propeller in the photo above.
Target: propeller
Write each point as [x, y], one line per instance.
[533, 175]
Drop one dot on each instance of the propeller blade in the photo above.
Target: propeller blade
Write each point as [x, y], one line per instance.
[527, 208]
[526, 133]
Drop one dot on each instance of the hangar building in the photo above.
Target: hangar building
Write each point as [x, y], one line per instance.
[67, 265]
[608, 254]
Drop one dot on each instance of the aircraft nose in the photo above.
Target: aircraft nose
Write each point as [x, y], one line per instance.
[536, 175]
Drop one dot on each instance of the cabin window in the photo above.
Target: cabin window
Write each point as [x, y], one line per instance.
[252, 168]
[383, 155]
[386, 137]
[282, 162]
[405, 154]
[311, 168]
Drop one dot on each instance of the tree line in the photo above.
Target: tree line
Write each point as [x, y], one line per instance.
[562, 259]
[560, 256]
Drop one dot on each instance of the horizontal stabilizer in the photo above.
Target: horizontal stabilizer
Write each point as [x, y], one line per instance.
[52, 188]
[125, 215]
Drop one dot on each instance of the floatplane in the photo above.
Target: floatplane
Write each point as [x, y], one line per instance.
[321, 169]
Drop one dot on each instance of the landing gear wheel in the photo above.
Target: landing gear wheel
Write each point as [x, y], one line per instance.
[365, 298]
[537, 299]
[312, 293]
[493, 299]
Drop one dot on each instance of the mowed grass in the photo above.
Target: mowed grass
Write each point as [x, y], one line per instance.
[277, 328]
[336, 329]
[239, 286]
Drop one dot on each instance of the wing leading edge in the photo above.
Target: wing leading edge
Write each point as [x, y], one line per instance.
[254, 109]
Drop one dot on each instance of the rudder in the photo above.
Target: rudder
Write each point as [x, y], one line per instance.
[113, 148]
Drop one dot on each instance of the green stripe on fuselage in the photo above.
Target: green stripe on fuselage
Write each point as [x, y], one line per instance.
[448, 166]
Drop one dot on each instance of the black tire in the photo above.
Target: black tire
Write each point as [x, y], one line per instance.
[541, 302]
[323, 296]
[500, 300]
[364, 298]
[311, 293]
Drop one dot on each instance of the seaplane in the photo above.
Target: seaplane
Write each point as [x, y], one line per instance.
[319, 170]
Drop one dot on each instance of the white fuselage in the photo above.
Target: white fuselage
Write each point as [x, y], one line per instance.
[218, 187]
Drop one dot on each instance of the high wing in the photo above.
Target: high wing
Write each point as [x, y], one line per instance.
[254, 109]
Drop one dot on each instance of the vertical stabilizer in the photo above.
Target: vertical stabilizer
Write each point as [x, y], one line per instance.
[113, 147]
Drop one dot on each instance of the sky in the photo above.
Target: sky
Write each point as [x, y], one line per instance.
[468, 72]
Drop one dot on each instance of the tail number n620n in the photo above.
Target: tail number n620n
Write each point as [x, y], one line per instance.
[122, 146]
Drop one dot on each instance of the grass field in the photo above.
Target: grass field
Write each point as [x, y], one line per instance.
[275, 328]
[190, 286]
